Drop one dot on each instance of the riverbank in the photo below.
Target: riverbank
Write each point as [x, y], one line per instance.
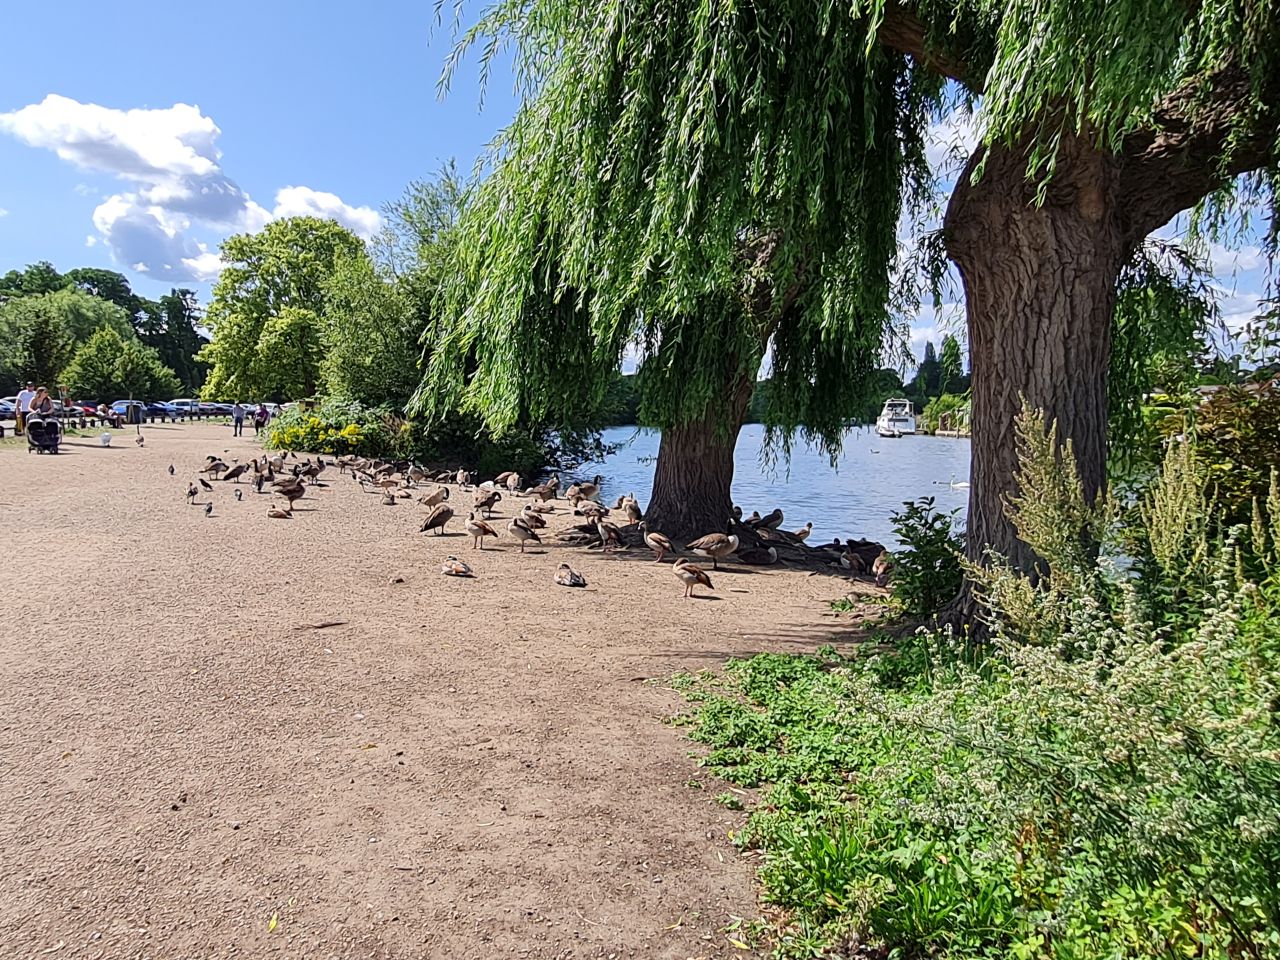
[295, 738]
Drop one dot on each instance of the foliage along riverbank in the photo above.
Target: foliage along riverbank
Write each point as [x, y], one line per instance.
[1100, 779]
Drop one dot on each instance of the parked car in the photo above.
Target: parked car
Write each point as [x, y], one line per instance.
[7, 407]
[186, 405]
[158, 408]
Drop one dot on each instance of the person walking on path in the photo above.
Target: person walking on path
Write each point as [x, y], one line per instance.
[25, 396]
[260, 417]
[41, 404]
[237, 420]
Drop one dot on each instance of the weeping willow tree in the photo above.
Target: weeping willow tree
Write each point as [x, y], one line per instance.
[710, 179]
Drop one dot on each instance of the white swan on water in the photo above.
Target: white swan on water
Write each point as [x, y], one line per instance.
[958, 485]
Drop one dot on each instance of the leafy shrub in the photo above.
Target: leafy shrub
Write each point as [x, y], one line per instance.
[947, 412]
[1103, 784]
[338, 427]
[927, 573]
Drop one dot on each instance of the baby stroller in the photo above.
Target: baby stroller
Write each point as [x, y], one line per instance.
[43, 434]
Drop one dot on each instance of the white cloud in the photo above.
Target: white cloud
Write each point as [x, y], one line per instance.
[171, 161]
[3, 212]
[1227, 261]
[305, 202]
[91, 240]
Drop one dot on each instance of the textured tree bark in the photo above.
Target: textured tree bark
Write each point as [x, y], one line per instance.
[1039, 284]
[694, 475]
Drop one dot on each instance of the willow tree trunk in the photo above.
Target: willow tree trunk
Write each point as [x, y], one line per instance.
[694, 475]
[1039, 285]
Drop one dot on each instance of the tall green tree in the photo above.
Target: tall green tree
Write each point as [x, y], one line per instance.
[666, 158]
[36, 279]
[111, 367]
[169, 327]
[35, 343]
[951, 364]
[266, 308]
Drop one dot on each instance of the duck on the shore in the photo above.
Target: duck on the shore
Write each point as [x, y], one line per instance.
[771, 520]
[522, 532]
[657, 542]
[690, 575]
[715, 546]
[566, 576]
[609, 533]
[478, 529]
[882, 567]
[850, 561]
[632, 509]
[532, 518]
[804, 531]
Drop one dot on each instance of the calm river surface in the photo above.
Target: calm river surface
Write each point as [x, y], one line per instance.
[870, 481]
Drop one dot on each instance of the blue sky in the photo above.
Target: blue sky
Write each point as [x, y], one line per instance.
[139, 139]
[136, 136]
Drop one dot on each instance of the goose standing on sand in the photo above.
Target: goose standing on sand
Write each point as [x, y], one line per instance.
[657, 542]
[436, 519]
[513, 483]
[566, 576]
[239, 495]
[590, 488]
[439, 495]
[235, 473]
[477, 530]
[881, 567]
[171, 469]
[208, 509]
[485, 501]
[462, 478]
[609, 533]
[690, 575]
[632, 509]
[522, 532]
[715, 546]
[852, 562]
[192, 492]
[206, 484]
[533, 520]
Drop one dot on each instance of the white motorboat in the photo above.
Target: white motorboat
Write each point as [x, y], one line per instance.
[897, 419]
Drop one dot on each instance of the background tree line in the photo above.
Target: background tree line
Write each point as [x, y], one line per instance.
[87, 329]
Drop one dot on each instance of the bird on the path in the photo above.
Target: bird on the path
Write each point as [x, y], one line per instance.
[192, 492]
[239, 495]
[258, 481]
[609, 533]
[478, 529]
[657, 542]
[852, 562]
[690, 575]
[566, 576]
[171, 469]
[632, 509]
[215, 468]
[206, 484]
[462, 478]
[715, 546]
[388, 499]
[235, 473]
[522, 532]
[208, 509]
[485, 501]
[279, 513]
[436, 519]
[453, 567]
[532, 518]
[804, 531]
[439, 495]
[881, 567]
[513, 483]
[291, 494]
[592, 510]
[139, 440]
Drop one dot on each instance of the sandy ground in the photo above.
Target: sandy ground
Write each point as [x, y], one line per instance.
[459, 769]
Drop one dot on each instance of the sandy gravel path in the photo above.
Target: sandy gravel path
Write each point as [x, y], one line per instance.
[460, 769]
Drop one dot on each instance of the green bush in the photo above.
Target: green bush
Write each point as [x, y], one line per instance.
[1102, 784]
[338, 427]
[927, 573]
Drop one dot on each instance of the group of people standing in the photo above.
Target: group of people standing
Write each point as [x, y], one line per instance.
[32, 401]
[261, 416]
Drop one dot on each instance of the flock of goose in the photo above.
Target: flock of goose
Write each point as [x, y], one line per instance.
[754, 539]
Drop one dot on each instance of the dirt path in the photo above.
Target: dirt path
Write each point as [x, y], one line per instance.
[459, 769]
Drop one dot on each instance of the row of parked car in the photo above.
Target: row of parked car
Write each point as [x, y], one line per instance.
[171, 409]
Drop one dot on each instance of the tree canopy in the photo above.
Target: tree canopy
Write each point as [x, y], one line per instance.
[267, 306]
[111, 367]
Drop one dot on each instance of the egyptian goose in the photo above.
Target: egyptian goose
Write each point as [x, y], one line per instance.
[690, 575]
[566, 576]
[522, 532]
[453, 567]
[656, 542]
[478, 529]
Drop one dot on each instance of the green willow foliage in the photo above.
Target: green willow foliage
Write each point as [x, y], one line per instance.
[710, 179]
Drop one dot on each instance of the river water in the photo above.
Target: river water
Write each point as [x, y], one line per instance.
[871, 479]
